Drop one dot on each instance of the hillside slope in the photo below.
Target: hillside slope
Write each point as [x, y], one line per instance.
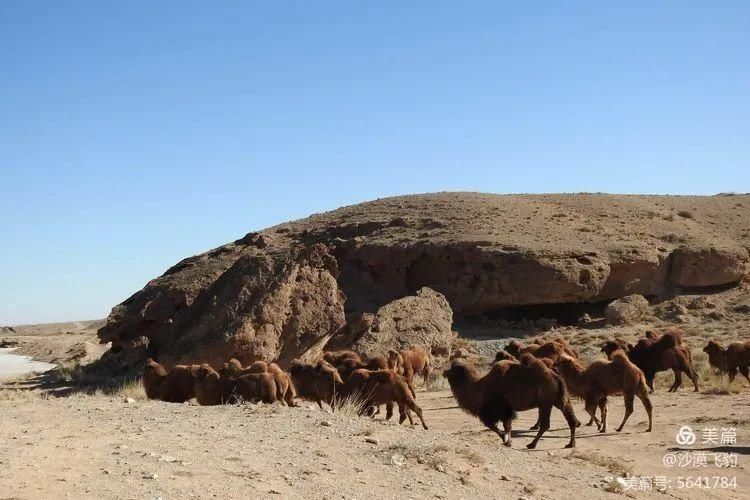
[282, 290]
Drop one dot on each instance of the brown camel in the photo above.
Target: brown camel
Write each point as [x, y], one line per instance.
[736, 357]
[604, 378]
[509, 387]
[174, 386]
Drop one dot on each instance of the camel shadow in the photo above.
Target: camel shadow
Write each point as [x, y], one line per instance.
[99, 376]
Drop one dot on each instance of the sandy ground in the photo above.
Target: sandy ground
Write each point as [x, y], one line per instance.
[634, 451]
[103, 446]
[12, 364]
[55, 342]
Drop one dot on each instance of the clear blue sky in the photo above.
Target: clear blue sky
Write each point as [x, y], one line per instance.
[135, 133]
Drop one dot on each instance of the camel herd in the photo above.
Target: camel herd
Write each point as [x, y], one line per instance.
[341, 376]
[541, 375]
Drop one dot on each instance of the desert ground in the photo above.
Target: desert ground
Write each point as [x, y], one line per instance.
[102, 446]
[62, 437]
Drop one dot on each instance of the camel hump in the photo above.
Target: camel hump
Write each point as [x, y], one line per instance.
[533, 362]
[620, 358]
[528, 359]
[668, 340]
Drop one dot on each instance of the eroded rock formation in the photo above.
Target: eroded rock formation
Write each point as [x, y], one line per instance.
[626, 310]
[263, 306]
[284, 291]
[424, 319]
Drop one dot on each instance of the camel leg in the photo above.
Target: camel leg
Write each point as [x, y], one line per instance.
[408, 414]
[389, 410]
[603, 411]
[426, 374]
[535, 426]
[745, 371]
[685, 365]
[650, 381]
[289, 398]
[268, 397]
[493, 428]
[416, 409]
[508, 428]
[544, 414]
[570, 417]
[643, 396]
[591, 410]
[403, 414]
[732, 373]
[677, 380]
[592, 420]
[628, 409]
[693, 376]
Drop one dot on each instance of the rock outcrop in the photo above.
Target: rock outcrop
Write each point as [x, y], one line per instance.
[626, 310]
[285, 291]
[424, 319]
[706, 267]
[263, 306]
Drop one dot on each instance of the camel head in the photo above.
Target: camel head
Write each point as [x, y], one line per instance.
[514, 348]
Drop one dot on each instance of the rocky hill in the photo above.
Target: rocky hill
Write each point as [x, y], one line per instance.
[288, 290]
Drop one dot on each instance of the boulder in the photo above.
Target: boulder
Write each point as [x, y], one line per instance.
[357, 324]
[461, 353]
[701, 302]
[8, 343]
[263, 306]
[626, 310]
[705, 267]
[424, 319]
[715, 315]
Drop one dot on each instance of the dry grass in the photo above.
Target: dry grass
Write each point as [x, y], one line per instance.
[353, 405]
[461, 343]
[131, 389]
[17, 379]
[22, 395]
[21, 388]
[85, 384]
[81, 375]
[98, 378]
[436, 382]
